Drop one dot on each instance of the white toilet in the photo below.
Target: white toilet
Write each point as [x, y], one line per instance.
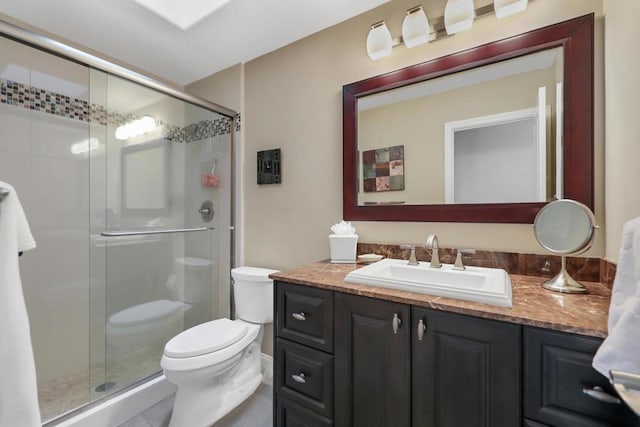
[217, 365]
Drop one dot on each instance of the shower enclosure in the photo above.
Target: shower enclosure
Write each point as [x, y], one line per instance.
[128, 193]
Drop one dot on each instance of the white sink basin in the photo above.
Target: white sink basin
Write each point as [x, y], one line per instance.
[485, 285]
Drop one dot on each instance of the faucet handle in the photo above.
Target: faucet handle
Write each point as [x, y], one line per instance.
[412, 255]
[459, 252]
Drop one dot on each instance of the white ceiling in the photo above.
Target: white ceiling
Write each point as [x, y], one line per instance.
[238, 32]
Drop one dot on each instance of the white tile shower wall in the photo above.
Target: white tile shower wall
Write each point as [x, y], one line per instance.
[56, 274]
[35, 157]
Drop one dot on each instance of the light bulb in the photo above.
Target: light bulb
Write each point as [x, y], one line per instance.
[379, 43]
[415, 27]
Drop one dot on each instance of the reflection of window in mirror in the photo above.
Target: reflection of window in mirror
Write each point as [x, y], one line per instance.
[145, 179]
[416, 115]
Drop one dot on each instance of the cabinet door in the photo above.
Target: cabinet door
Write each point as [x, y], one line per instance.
[465, 371]
[372, 368]
[557, 372]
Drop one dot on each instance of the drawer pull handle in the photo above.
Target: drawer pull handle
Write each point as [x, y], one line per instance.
[299, 378]
[599, 394]
[395, 323]
[421, 328]
[299, 316]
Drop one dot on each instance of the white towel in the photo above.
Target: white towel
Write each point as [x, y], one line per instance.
[18, 390]
[621, 349]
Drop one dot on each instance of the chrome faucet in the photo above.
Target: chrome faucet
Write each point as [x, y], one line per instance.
[432, 243]
[412, 256]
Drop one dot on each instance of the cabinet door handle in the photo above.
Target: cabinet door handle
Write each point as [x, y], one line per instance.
[395, 323]
[299, 316]
[599, 394]
[299, 378]
[422, 327]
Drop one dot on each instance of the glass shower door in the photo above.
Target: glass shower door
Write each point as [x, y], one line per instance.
[162, 160]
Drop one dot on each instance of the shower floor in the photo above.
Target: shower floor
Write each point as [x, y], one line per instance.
[60, 395]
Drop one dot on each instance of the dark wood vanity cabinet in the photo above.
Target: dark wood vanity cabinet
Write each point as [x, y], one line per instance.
[304, 362]
[372, 360]
[349, 361]
[401, 366]
[465, 370]
[557, 376]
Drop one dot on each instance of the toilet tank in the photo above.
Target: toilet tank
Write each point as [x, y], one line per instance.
[253, 294]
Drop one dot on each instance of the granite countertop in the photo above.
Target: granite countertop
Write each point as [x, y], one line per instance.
[532, 304]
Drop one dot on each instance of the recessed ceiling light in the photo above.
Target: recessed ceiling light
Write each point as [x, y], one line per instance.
[185, 13]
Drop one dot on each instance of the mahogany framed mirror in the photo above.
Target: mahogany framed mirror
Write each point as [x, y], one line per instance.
[381, 163]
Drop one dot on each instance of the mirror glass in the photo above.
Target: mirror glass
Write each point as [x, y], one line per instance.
[564, 227]
[488, 134]
[484, 135]
[145, 178]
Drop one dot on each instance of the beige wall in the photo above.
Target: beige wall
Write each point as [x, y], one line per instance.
[622, 83]
[223, 88]
[293, 102]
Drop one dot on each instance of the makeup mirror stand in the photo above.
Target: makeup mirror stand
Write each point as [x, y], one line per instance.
[565, 227]
[563, 282]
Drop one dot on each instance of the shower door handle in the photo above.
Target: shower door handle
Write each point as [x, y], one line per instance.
[148, 232]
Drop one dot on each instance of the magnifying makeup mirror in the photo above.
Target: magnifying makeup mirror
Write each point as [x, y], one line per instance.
[565, 227]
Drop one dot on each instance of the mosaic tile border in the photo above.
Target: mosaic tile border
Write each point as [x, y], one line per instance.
[24, 96]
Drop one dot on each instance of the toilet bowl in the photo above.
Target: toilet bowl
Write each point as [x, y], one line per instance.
[217, 365]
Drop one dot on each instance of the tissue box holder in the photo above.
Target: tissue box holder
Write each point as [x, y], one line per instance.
[343, 248]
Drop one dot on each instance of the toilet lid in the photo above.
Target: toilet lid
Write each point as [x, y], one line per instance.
[205, 338]
[147, 312]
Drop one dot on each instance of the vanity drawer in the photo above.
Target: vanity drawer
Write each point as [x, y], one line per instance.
[305, 376]
[557, 368]
[305, 315]
[288, 414]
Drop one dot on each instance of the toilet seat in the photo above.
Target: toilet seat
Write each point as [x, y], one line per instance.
[205, 338]
[208, 359]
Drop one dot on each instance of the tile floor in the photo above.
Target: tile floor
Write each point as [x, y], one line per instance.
[257, 411]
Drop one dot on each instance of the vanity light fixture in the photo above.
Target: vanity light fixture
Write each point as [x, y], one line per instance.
[135, 128]
[504, 8]
[379, 43]
[415, 27]
[458, 15]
